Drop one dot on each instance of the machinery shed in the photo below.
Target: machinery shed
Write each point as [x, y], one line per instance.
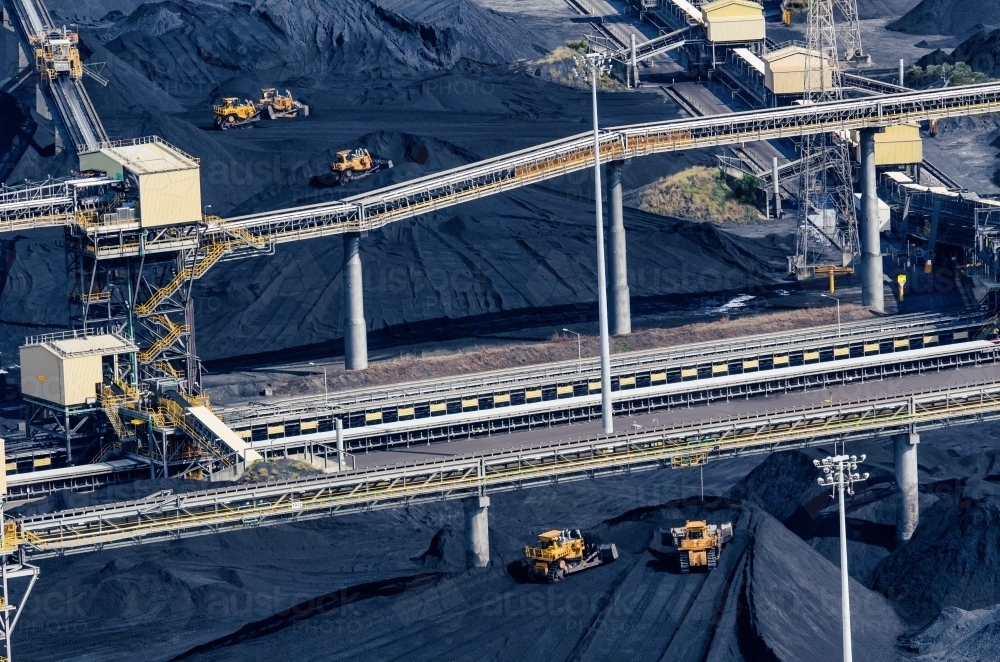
[168, 180]
[67, 370]
[785, 70]
[897, 145]
[728, 21]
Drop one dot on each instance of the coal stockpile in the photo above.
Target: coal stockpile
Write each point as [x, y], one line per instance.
[981, 52]
[427, 85]
[952, 17]
[884, 8]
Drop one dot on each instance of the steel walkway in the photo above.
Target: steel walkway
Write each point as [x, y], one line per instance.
[882, 341]
[165, 517]
[376, 209]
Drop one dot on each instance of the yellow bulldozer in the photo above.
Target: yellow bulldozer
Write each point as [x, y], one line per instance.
[561, 553]
[351, 164]
[699, 544]
[280, 105]
[232, 114]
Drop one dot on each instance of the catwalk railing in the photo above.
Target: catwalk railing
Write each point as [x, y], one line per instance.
[164, 517]
[375, 209]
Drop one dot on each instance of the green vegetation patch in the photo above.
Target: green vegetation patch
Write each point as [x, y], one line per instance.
[701, 193]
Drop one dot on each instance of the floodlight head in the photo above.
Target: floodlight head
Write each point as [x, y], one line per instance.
[816, 463]
[863, 456]
[865, 475]
[819, 481]
[854, 458]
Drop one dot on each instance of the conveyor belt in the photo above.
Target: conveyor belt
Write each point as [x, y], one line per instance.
[71, 99]
[169, 517]
[687, 363]
[378, 208]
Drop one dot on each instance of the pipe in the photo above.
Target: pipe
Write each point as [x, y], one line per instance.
[777, 188]
[340, 445]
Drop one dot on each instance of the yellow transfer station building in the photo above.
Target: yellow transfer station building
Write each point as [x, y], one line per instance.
[785, 70]
[68, 371]
[897, 145]
[168, 180]
[733, 21]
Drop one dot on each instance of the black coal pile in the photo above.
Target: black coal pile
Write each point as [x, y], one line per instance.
[958, 635]
[242, 595]
[952, 17]
[953, 558]
[785, 486]
[981, 52]
[430, 85]
[868, 9]
[194, 42]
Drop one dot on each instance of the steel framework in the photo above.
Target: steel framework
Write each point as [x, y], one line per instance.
[824, 156]
[163, 516]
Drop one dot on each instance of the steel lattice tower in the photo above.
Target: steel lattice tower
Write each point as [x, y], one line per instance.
[823, 158]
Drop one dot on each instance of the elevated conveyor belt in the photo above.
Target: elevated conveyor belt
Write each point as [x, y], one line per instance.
[691, 364]
[415, 424]
[53, 203]
[71, 99]
[168, 517]
[654, 47]
[376, 209]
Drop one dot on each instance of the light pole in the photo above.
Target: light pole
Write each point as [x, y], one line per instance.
[579, 350]
[326, 390]
[596, 64]
[839, 474]
[838, 311]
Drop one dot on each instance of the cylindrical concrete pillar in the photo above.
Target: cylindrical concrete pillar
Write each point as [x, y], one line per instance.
[355, 329]
[871, 244]
[477, 532]
[777, 187]
[908, 512]
[621, 307]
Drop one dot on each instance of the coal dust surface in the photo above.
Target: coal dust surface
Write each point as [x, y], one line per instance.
[427, 84]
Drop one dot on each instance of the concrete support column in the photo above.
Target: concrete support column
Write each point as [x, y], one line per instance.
[871, 244]
[355, 329]
[477, 532]
[621, 308]
[908, 512]
[777, 187]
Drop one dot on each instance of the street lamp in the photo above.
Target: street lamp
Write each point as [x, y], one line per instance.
[839, 474]
[579, 350]
[838, 310]
[326, 390]
[597, 64]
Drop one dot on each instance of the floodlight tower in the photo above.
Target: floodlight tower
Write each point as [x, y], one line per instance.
[821, 155]
[850, 33]
[840, 474]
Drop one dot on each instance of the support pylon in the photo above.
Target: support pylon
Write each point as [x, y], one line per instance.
[824, 157]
